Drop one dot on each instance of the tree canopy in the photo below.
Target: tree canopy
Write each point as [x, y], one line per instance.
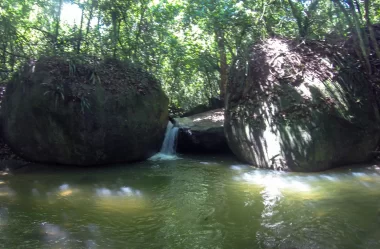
[188, 45]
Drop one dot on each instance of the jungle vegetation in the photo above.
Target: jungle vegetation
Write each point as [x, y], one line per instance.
[188, 45]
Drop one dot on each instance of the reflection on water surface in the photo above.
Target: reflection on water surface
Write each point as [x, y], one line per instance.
[198, 202]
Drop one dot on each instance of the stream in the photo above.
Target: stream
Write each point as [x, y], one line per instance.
[189, 202]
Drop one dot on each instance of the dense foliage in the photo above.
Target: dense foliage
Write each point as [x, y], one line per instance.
[187, 44]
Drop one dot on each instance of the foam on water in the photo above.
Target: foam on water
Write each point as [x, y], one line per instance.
[239, 167]
[163, 157]
[64, 187]
[123, 191]
[275, 181]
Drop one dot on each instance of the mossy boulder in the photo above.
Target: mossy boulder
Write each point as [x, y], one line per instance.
[84, 113]
[300, 107]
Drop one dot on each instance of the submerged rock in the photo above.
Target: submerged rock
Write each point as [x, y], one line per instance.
[202, 132]
[300, 107]
[58, 111]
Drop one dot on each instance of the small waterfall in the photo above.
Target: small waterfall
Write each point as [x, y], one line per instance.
[168, 148]
[170, 142]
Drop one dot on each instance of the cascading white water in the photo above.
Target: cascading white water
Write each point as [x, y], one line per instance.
[170, 142]
[168, 148]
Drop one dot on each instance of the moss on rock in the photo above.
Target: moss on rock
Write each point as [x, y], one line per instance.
[301, 107]
[98, 112]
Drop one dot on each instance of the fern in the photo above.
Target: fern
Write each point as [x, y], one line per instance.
[84, 104]
[55, 91]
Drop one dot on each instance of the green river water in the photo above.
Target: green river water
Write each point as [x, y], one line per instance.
[192, 202]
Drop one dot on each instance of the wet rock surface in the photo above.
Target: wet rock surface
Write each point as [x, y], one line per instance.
[202, 133]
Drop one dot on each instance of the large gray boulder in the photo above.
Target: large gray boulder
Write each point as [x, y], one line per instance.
[300, 107]
[202, 133]
[58, 111]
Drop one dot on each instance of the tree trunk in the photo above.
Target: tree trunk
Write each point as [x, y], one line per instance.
[209, 83]
[56, 33]
[139, 29]
[361, 37]
[115, 35]
[355, 27]
[298, 18]
[345, 13]
[219, 36]
[303, 22]
[89, 23]
[370, 28]
[358, 8]
[80, 31]
[99, 34]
